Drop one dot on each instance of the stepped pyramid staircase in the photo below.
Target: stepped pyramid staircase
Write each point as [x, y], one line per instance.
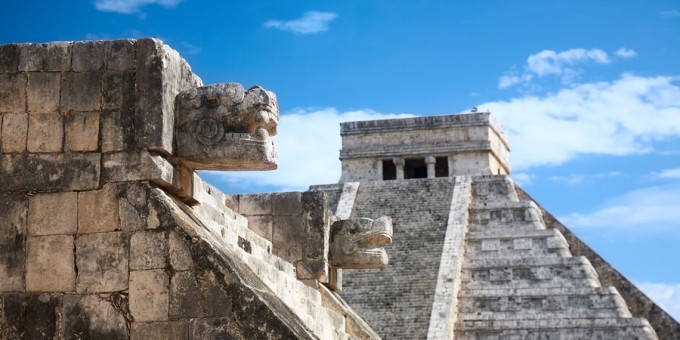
[520, 281]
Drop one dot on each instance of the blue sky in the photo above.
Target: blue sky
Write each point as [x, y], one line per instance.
[587, 91]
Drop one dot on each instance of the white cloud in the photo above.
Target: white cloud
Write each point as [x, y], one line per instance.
[667, 296]
[131, 6]
[522, 178]
[575, 179]
[308, 143]
[626, 53]
[653, 209]
[673, 13]
[622, 117]
[187, 48]
[668, 173]
[551, 63]
[508, 80]
[310, 23]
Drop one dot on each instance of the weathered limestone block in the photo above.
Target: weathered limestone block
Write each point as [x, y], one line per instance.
[32, 57]
[88, 55]
[232, 202]
[160, 330]
[262, 225]
[141, 165]
[287, 203]
[158, 67]
[148, 250]
[92, 317]
[179, 255]
[31, 316]
[120, 54]
[255, 204]
[356, 243]
[45, 132]
[132, 207]
[216, 298]
[49, 172]
[53, 214]
[12, 92]
[43, 91]
[13, 210]
[98, 210]
[58, 56]
[184, 296]
[50, 264]
[149, 295]
[215, 328]
[117, 130]
[14, 132]
[224, 127]
[9, 58]
[118, 91]
[288, 238]
[152, 219]
[317, 219]
[81, 91]
[102, 261]
[131, 218]
[81, 131]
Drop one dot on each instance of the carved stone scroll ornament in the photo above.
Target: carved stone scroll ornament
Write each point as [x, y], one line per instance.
[224, 127]
[356, 243]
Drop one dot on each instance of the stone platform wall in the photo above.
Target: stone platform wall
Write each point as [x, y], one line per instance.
[96, 237]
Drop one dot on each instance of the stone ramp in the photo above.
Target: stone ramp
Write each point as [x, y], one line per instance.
[519, 279]
[397, 300]
[320, 310]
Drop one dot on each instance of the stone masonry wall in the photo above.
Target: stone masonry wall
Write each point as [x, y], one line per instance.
[397, 300]
[72, 113]
[473, 143]
[296, 223]
[96, 237]
[113, 263]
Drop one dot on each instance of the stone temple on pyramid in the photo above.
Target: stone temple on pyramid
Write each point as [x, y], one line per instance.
[108, 232]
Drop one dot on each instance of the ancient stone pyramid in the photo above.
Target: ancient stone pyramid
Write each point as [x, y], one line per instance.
[473, 256]
[107, 231]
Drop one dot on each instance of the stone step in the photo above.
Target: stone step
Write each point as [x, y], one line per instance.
[493, 187]
[516, 243]
[505, 215]
[502, 304]
[541, 272]
[600, 328]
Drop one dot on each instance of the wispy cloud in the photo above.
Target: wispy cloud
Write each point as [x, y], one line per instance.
[187, 48]
[575, 179]
[308, 143]
[652, 209]
[621, 117]
[626, 53]
[123, 35]
[666, 295]
[667, 173]
[551, 63]
[309, 23]
[131, 6]
[673, 13]
[522, 178]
